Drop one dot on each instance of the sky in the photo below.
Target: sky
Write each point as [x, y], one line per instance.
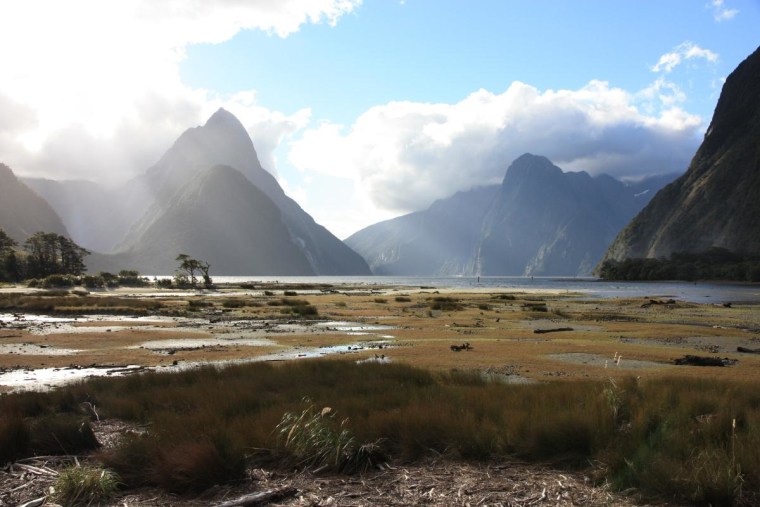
[367, 109]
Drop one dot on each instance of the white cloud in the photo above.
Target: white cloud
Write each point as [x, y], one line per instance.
[684, 51]
[720, 12]
[404, 155]
[91, 71]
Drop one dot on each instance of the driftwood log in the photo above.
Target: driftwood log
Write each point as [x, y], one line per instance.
[260, 498]
[690, 360]
[552, 330]
[656, 302]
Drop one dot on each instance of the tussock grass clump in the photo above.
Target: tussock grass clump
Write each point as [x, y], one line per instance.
[84, 486]
[381, 301]
[14, 437]
[446, 304]
[61, 434]
[315, 439]
[403, 299]
[234, 303]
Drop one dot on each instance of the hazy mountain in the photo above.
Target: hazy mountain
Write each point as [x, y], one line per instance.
[96, 217]
[22, 211]
[223, 141]
[539, 221]
[716, 202]
[221, 217]
[438, 241]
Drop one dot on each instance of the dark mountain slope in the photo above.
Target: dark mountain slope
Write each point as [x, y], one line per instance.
[716, 203]
[219, 216]
[22, 211]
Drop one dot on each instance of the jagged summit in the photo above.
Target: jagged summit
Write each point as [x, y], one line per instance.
[529, 165]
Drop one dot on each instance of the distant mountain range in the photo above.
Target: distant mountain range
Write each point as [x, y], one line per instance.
[539, 221]
[716, 203]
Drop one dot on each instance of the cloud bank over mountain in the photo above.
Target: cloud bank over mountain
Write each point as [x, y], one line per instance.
[406, 154]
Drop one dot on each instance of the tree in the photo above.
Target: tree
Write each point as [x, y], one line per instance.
[10, 271]
[53, 254]
[188, 267]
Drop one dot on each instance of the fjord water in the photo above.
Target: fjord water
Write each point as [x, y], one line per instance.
[695, 292]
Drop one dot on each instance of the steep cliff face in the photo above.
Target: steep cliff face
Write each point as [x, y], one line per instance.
[22, 211]
[539, 221]
[716, 203]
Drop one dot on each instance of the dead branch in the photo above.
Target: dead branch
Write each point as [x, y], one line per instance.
[261, 498]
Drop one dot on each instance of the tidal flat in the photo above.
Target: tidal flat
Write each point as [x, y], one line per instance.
[531, 336]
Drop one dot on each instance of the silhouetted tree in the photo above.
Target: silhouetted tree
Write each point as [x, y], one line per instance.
[188, 267]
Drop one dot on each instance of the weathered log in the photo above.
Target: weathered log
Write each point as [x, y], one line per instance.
[747, 351]
[261, 498]
[552, 330]
[690, 360]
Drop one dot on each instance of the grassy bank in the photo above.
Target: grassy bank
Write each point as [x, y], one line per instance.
[693, 440]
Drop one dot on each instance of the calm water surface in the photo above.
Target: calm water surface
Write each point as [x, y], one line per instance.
[700, 292]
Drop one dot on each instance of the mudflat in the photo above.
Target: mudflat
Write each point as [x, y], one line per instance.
[513, 336]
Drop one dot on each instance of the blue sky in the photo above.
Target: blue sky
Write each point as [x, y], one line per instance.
[368, 109]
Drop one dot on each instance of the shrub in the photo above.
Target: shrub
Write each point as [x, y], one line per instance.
[164, 283]
[403, 299]
[290, 293]
[61, 434]
[233, 303]
[381, 301]
[85, 485]
[92, 281]
[59, 281]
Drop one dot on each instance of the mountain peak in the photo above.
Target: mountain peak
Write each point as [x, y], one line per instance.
[529, 165]
[223, 118]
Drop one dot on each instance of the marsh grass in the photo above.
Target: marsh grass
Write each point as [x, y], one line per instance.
[667, 437]
[84, 486]
[58, 302]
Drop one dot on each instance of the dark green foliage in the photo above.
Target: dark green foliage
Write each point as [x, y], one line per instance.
[53, 254]
[713, 264]
[233, 303]
[186, 273]
[290, 293]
